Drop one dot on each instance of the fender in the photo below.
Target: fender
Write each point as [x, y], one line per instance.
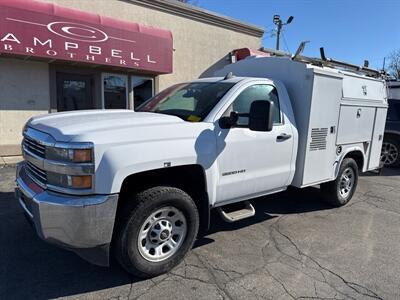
[120, 161]
[349, 149]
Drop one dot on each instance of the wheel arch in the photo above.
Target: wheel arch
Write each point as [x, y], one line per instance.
[358, 157]
[392, 134]
[354, 153]
[189, 178]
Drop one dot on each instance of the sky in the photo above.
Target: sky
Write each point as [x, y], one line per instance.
[352, 30]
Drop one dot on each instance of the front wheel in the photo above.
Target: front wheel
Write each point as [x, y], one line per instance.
[340, 191]
[158, 231]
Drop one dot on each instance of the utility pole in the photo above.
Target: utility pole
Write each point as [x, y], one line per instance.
[279, 24]
[278, 32]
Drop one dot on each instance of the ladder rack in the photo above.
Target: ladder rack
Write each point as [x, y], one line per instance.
[326, 62]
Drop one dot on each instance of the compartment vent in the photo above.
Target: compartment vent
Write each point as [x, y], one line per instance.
[318, 139]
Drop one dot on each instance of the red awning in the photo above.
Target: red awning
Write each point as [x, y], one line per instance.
[37, 29]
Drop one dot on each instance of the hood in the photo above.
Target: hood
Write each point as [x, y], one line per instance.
[89, 124]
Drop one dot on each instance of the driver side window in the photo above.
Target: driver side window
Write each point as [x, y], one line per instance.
[252, 93]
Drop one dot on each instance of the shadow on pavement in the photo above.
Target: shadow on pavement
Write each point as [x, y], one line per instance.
[31, 268]
[292, 201]
[385, 172]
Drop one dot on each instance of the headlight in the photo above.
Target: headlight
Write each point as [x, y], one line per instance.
[78, 159]
[69, 155]
[70, 181]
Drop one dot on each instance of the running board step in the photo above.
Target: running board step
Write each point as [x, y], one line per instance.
[237, 215]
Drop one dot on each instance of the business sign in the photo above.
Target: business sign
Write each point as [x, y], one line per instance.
[36, 29]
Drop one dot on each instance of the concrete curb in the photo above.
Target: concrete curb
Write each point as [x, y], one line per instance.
[9, 161]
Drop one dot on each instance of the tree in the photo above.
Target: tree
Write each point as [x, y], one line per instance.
[394, 64]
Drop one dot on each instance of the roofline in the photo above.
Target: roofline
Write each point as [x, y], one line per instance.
[200, 14]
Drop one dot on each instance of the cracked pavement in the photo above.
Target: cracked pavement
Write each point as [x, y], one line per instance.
[296, 247]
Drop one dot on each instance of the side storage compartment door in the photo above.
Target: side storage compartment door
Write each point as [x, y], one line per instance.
[377, 138]
[320, 153]
[355, 124]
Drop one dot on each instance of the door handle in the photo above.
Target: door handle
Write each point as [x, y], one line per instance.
[283, 137]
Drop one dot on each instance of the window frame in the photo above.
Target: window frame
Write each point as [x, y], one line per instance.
[228, 110]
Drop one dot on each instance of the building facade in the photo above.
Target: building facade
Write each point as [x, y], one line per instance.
[61, 55]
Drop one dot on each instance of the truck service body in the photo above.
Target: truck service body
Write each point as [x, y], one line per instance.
[143, 181]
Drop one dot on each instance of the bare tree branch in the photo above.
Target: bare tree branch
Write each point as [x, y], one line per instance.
[394, 64]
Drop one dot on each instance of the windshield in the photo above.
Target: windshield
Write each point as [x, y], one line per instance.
[188, 101]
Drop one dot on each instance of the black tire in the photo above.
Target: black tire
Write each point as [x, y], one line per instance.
[331, 190]
[394, 144]
[133, 215]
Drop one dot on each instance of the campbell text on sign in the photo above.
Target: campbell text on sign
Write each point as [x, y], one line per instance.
[38, 33]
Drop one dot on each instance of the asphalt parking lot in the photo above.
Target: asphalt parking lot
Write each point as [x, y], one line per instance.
[296, 247]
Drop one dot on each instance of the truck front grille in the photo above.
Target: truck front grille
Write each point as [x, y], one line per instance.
[37, 174]
[34, 146]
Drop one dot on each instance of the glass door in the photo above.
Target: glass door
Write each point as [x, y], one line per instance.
[115, 91]
[74, 91]
[143, 89]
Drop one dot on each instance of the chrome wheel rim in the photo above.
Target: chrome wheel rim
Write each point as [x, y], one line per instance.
[162, 234]
[389, 154]
[346, 182]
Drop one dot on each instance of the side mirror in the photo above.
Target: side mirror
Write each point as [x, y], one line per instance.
[228, 122]
[260, 117]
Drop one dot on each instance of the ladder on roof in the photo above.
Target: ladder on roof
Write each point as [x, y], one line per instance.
[327, 62]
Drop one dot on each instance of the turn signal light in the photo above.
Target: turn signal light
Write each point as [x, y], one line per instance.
[82, 155]
[81, 182]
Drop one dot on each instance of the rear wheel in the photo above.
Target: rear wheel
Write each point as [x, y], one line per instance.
[340, 191]
[157, 231]
[390, 155]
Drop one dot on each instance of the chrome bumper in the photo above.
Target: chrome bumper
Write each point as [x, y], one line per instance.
[82, 224]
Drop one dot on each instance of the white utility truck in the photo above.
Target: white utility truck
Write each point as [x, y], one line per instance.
[144, 182]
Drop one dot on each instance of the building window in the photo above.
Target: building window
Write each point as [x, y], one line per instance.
[74, 91]
[143, 89]
[115, 91]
